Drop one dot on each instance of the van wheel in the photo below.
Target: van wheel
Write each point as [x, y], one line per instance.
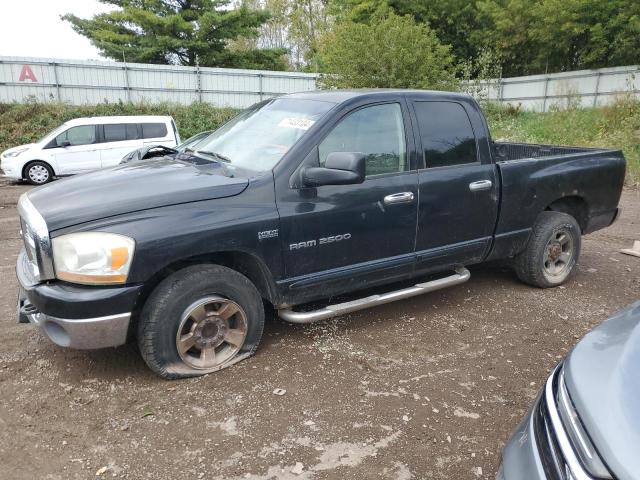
[552, 251]
[199, 320]
[38, 173]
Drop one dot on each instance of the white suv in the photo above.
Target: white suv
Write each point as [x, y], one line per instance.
[86, 144]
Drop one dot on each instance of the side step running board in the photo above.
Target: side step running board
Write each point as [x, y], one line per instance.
[461, 276]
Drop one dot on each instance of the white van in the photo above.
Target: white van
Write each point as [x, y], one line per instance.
[86, 144]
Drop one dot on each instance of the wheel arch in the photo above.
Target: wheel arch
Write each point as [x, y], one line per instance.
[248, 264]
[29, 162]
[573, 205]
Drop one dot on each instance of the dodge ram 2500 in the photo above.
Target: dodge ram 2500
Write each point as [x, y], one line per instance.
[297, 199]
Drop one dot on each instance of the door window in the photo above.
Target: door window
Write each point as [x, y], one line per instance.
[376, 131]
[154, 130]
[120, 132]
[82, 135]
[446, 133]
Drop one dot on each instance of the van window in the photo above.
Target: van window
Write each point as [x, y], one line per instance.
[132, 131]
[81, 135]
[446, 133]
[154, 130]
[376, 131]
[120, 131]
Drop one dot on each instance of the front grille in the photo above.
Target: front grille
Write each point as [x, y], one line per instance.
[550, 453]
[556, 439]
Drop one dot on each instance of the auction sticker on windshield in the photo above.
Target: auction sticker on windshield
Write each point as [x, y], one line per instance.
[296, 122]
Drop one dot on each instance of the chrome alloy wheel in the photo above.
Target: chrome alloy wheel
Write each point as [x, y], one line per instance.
[211, 332]
[38, 174]
[558, 254]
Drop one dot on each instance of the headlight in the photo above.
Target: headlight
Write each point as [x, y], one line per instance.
[15, 153]
[93, 258]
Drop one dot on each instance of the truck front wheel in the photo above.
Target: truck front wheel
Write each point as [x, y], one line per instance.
[552, 251]
[199, 320]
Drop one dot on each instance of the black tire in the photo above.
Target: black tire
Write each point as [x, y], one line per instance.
[534, 265]
[164, 312]
[38, 173]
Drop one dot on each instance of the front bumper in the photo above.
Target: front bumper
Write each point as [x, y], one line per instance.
[521, 457]
[85, 333]
[9, 170]
[76, 316]
[541, 447]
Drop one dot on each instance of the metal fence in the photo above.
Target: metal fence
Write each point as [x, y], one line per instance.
[90, 82]
[584, 88]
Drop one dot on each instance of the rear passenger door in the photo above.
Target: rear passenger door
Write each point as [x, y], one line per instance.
[458, 192]
[118, 140]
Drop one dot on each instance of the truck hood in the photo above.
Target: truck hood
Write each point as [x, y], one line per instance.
[603, 379]
[132, 187]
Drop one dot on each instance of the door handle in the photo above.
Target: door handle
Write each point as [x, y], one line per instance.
[396, 198]
[480, 185]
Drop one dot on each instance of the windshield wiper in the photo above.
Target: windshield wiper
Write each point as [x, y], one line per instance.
[219, 156]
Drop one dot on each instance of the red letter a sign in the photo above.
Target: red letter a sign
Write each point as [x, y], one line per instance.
[27, 74]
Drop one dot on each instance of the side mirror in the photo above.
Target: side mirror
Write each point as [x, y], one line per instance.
[65, 144]
[341, 168]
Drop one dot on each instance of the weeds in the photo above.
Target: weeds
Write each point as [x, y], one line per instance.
[615, 126]
[28, 122]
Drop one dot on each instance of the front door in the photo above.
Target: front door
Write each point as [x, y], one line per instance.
[458, 192]
[76, 150]
[344, 237]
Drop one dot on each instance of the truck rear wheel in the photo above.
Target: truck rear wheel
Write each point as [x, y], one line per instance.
[552, 251]
[199, 320]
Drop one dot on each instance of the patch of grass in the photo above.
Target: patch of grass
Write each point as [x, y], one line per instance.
[27, 122]
[616, 126]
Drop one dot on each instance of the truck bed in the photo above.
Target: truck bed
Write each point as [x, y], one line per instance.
[588, 180]
[505, 151]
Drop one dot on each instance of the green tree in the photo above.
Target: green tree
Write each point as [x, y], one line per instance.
[360, 11]
[530, 36]
[309, 21]
[453, 21]
[559, 35]
[180, 32]
[592, 33]
[391, 51]
[509, 33]
[295, 25]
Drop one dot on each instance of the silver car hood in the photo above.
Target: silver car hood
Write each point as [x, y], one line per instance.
[603, 379]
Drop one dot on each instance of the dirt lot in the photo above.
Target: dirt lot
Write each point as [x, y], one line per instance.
[424, 388]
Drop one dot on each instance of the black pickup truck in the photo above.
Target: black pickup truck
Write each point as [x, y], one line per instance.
[298, 199]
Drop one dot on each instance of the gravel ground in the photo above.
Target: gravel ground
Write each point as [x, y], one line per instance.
[429, 387]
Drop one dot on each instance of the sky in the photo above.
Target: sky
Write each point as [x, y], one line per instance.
[33, 28]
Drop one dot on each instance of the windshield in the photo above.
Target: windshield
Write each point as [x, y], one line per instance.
[54, 133]
[192, 142]
[259, 137]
